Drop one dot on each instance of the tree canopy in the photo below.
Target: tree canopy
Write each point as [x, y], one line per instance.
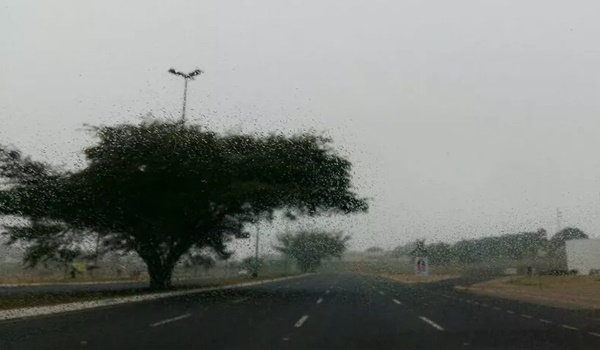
[566, 234]
[309, 248]
[374, 249]
[161, 189]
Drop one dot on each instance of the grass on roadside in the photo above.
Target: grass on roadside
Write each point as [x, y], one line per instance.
[556, 281]
[45, 299]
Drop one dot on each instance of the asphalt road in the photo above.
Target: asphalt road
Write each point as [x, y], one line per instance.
[323, 311]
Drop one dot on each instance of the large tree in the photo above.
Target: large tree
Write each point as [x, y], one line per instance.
[309, 248]
[161, 189]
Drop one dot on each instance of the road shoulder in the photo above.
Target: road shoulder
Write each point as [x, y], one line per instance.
[26, 312]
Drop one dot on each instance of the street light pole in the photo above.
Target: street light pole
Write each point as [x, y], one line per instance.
[255, 272]
[184, 100]
[186, 77]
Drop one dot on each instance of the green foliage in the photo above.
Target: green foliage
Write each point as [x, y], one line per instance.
[374, 250]
[566, 234]
[309, 248]
[253, 265]
[510, 247]
[199, 259]
[420, 248]
[440, 253]
[161, 189]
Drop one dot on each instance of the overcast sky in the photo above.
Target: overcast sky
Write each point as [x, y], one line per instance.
[462, 118]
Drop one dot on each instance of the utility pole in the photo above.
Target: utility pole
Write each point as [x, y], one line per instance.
[286, 256]
[255, 272]
[186, 77]
[558, 219]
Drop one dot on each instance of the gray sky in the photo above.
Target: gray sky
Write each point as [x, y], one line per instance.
[463, 118]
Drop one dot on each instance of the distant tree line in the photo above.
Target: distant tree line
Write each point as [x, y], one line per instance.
[519, 246]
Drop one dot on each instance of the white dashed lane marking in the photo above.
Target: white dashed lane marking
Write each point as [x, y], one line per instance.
[545, 321]
[397, 302]
[496, 308]
[431, 323]
[510, 312]
[382, 293]
[301, 321]
[320, 301]
[569, 327]
[169, 320]
[526, 316]
[594, 334]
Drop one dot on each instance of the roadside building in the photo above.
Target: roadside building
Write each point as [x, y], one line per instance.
[583, 255]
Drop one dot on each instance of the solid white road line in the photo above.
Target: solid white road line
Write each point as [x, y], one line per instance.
[301, 321]
[169, 320]
[526, 316]
[320, 301]
[545, 321]
[397, 302]
[431, 323]
[594, 334]
[569, 327]
[236, 301]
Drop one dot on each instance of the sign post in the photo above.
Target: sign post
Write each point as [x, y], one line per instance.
[421, 266]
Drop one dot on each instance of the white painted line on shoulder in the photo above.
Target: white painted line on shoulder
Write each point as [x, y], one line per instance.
[320, 301]
[594, 334]
[431, 323]
[169, 320]
[301, 321]
[526, 316]
[382, 293]
[545, 321]
[569, 327]
[510, 312]
[236, 301]
[397, 302]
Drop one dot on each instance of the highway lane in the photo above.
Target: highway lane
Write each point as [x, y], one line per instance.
[322, 311]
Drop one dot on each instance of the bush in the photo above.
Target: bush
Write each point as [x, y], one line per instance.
[558, 272]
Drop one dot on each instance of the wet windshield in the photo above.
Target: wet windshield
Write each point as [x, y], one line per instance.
[299, 175]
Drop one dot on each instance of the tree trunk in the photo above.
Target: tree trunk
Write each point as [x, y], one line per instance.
[160, 265]
[160, 275]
